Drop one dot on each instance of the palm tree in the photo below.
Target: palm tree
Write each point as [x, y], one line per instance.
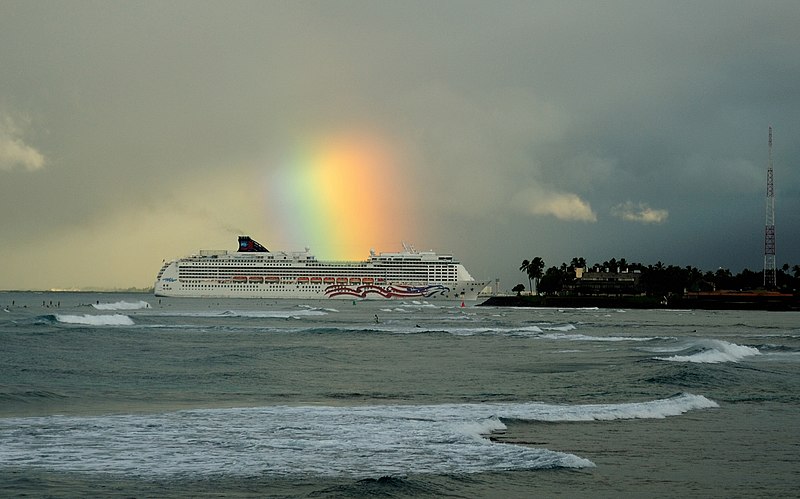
[535, 268]
[578, 262]
[524, 268]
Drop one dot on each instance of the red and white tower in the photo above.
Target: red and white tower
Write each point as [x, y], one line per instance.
[769, 232]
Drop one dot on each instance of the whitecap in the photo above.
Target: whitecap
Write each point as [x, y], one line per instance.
[362, 441]
[583, 337]
[715, 352]
[527, 329]
[418, 304]
[655, 409]
[366, 441]
[566, 327]
[480, 428]
[280, 314]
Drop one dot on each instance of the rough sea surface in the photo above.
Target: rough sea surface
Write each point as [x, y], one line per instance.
[127, 395]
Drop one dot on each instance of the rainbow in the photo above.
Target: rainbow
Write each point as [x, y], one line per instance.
[341, 197]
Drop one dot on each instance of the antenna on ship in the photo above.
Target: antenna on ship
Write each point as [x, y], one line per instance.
[409, 248]
[769, 232]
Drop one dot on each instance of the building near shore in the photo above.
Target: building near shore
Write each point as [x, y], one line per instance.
[606, 282]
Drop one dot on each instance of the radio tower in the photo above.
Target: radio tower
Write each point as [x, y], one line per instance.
[769, 233]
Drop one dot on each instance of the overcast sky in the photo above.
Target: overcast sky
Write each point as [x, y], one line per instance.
[131, 132]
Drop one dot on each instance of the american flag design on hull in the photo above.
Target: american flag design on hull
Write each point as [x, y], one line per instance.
[386, 292]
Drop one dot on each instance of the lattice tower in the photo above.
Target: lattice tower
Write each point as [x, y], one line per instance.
[769, 232]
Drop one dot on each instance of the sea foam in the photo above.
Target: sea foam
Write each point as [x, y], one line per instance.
[583, 337]
[361, 441]
[714, 352]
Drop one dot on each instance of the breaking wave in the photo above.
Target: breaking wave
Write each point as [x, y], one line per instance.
[365, 441]
[278, 314]
[713, 352]
[564, 328]
[583, 337]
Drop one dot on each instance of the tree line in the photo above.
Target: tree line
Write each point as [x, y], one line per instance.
[654, 280]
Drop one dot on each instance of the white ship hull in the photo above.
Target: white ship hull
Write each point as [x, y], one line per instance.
[254, 272]
[463, 291]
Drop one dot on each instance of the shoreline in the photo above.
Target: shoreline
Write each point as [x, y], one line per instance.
[699, 301]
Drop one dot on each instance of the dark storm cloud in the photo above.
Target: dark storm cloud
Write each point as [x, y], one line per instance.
[528, 128]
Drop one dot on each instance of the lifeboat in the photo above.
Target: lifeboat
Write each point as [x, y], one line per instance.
[316, 280]
[272, 279]
[239, 278]
[355, 280]
[341, 280]
[368, 280]
[329, 280]
[258, 280]
[302, 280]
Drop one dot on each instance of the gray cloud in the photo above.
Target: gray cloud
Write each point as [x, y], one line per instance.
[639, 212]
[522, 127]
[562, 205]
[14, 152]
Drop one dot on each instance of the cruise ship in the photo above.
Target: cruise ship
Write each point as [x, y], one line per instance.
[255, 272]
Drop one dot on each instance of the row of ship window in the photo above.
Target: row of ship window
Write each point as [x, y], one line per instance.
[292, 275]
[272, 284]
[311, 261]
[284, 275]
[240, 286]
[307, 281]
[340, 270]
[343, 268]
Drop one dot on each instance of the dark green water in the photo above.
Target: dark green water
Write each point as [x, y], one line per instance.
[100, 396]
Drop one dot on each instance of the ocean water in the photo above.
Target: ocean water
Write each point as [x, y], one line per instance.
[127, 395]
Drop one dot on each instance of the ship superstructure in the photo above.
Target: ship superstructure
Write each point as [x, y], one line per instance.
[255, 272]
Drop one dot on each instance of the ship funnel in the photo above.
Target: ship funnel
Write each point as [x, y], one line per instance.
[248, 245]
